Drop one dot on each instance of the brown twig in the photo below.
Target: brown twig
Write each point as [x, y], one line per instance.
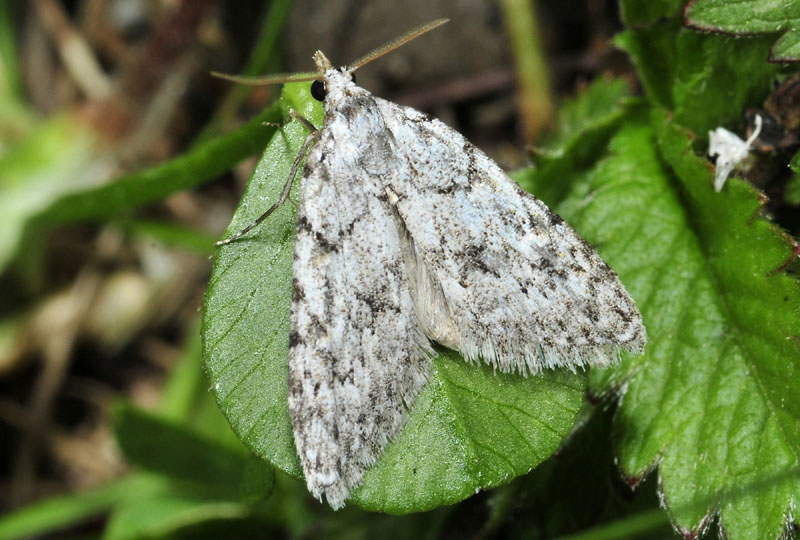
[58, 328]
[459, 90]
[76, 54]
[62, 330]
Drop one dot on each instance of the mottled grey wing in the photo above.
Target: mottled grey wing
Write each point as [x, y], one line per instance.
[499, 276]
[357, 356]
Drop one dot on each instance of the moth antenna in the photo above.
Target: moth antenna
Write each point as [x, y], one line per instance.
[276, 78]
[395, 43]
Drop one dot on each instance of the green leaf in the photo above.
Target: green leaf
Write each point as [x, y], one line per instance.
[584, 125]
[748, 18]
[204, 162]
[578, 488]
[596, 106]
[792, 194]
[195, 473]
[186, 384]
[247, 303]
[10, 83]
[349, 524]
[52, 176]
[173, 450]
[170, 235]
[710, 401]
[257, 481]
[757, 434]
[637, 14]
[15, 116]
[50, 514]
[187, 401]
[795, 163]
[157, 508]
[470, 429]
[47, 164]
[699, 76]
[713, 401]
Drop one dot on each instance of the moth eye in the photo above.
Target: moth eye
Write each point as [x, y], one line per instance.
[318, 90]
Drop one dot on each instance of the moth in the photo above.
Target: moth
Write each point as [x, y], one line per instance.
[407, 235]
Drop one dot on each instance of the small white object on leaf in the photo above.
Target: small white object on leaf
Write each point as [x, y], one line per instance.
[730, 151]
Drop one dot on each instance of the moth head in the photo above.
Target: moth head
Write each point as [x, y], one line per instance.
[319, 90]
[330, 75]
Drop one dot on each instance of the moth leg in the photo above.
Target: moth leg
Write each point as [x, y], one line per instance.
[306, 122]
[303, 120]
[311, 137]
[294, 114]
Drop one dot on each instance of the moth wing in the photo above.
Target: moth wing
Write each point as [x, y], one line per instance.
[495, 273]
[357, 357]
